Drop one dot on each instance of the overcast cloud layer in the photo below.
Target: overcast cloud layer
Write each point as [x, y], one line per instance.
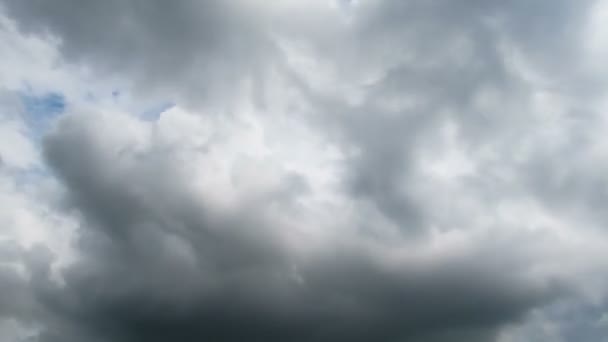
[299, 171]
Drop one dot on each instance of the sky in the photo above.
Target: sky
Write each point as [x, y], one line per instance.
[303, 171]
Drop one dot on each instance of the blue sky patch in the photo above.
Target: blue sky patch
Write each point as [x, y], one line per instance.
[40, 110]
[154, 112]
[45, 106]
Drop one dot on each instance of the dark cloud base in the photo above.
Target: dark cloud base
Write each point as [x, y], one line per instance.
[130, 286]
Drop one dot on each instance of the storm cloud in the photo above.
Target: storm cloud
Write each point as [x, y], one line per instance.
[303, 171]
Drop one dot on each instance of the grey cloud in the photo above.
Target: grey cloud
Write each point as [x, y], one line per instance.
[568, 320]
[442, 58]
[200, 47]
[157, 262]
[132, 281]
[22, 271]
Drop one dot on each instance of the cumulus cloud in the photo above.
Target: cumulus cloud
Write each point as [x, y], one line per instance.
[321, 171]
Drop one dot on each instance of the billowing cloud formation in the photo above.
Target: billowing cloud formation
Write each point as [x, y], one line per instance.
[325, 171]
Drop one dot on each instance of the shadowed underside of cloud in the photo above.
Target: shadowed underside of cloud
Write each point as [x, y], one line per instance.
[158, 264]
[362, 171]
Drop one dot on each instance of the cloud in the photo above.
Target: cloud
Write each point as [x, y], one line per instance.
[344, 171]
[145, 228]
[204, 46]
